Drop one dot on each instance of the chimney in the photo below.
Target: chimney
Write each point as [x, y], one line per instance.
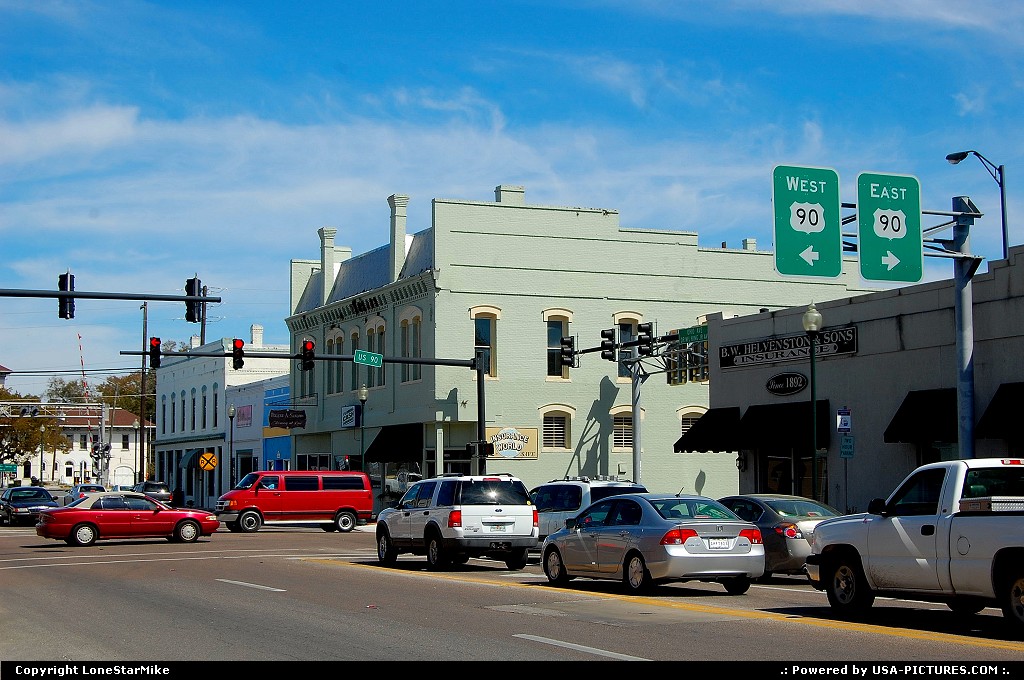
[256, 332]
[398, 203]
[327, 260]
[510, 195]
[750, 244]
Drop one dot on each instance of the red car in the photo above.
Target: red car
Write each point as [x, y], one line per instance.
[108, 514]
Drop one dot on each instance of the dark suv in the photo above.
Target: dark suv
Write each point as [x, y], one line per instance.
[158, 490]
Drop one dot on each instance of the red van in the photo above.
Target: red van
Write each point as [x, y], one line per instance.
[335, 500]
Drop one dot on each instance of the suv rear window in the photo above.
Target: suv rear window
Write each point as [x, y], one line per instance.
[493, 492]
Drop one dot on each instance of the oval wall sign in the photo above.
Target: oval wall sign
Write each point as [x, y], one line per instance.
[786, 383]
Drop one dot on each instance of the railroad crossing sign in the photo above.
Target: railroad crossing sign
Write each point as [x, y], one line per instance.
[207, 460]
[361, 356]
[889, 227]
[808, 223]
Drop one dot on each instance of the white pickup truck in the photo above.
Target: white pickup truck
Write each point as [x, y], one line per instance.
[951, 532]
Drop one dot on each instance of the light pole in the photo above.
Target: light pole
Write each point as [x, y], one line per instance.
[812, 324]
[998, 174]
[139, 476]
[231, 450]
[363, 394]
[42, 433]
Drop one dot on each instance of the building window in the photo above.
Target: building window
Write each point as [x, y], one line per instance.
[194, 404]
[82, 442]
[183, 412]
[688, 421]
[556, 431]
[329, 382]
[375, 343]
[627, 333]
[204, 407]
[483, 340]
[216, 408]
[557, 329]
[163, 415]
[354, 385]
[338, 366]
[411, 347]
[124, 442]
[622, 432]
[174, 417]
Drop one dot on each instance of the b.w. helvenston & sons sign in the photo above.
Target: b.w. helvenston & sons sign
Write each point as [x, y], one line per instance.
[796, 347]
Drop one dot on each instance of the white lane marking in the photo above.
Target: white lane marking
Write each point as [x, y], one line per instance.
[252, 585]
[581, 648]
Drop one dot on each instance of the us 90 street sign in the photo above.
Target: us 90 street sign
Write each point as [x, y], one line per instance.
[889, 235]
[808, 235]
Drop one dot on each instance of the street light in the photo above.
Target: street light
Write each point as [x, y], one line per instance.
[139, 477]
[998, 173]
[42, 433]
[812, 324]
[231, 450]
[363, 394]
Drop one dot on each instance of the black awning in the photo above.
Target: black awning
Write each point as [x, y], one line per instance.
[397, 443]
[717, 430]
[998, 420]
[785, 425]
[925, 416]
[188, 459]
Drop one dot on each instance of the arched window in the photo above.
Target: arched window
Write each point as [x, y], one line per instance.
[485, 336]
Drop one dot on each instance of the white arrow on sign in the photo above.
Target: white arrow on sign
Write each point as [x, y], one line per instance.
[890, 260]
[810, 255]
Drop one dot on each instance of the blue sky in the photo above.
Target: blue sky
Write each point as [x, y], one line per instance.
[143, 143]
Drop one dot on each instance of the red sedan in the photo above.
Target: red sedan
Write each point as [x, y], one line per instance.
[123, 515]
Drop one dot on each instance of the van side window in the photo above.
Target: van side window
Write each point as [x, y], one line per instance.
[302, 483]
[270, 482]
[343, 482]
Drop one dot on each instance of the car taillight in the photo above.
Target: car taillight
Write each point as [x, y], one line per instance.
[455, 519]
[677, 536]
[753, 534]
[789, 530]
[536, 518]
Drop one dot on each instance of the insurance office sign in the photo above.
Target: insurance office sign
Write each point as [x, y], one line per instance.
[782, 348]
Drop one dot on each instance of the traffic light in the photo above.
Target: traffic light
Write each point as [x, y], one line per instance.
[237, 355]
[307, 355]
[608, 344]
[154, 352]
[193, 310]
[645, 338]
[568, 351]
[66, 305]
[345, 464]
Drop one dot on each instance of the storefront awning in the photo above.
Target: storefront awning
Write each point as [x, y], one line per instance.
[397, 443]
[925, 416]
[998, 420]
[785, 426]
[189, 458]
[716, 430]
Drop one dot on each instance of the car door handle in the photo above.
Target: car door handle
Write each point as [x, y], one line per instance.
[928, 530]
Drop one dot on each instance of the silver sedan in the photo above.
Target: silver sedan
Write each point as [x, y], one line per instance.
[647, 538]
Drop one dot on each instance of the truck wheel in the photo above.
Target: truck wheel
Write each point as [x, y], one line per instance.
[386, 553]
[518, 559]
[1013, 602]
[847, 589]
[436, 557]
[250, 521]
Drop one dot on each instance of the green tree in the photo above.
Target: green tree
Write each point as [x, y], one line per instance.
[66, 391]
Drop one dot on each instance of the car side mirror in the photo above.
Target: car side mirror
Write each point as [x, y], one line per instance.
[570, 523]
[877, 506]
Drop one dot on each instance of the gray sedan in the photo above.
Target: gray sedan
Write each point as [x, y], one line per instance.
[647, 538]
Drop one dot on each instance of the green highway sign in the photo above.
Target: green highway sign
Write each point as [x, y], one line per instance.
[691, 334]
[8, 467]
[808, 233]
[889, 238]
[361, 356]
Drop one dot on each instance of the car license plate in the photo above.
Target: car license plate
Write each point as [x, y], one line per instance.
[497, 527]
[718, 543]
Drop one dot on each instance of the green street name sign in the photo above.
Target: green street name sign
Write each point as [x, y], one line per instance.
[808, 233]
[692, 334]
[361, 356]
[889, 227]
[8, 467]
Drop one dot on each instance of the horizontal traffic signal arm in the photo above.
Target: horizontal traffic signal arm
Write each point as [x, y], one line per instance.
[671, 337]
[465, 363]
[95, 295]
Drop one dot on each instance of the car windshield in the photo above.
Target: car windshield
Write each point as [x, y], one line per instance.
[801, 508]
[79, 501]
[30, 494]
[247, 481]
[691, 508]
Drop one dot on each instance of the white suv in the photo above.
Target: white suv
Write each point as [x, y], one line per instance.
[454, 517]
[561, 499]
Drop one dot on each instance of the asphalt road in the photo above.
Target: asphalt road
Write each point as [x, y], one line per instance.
[302, 594]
